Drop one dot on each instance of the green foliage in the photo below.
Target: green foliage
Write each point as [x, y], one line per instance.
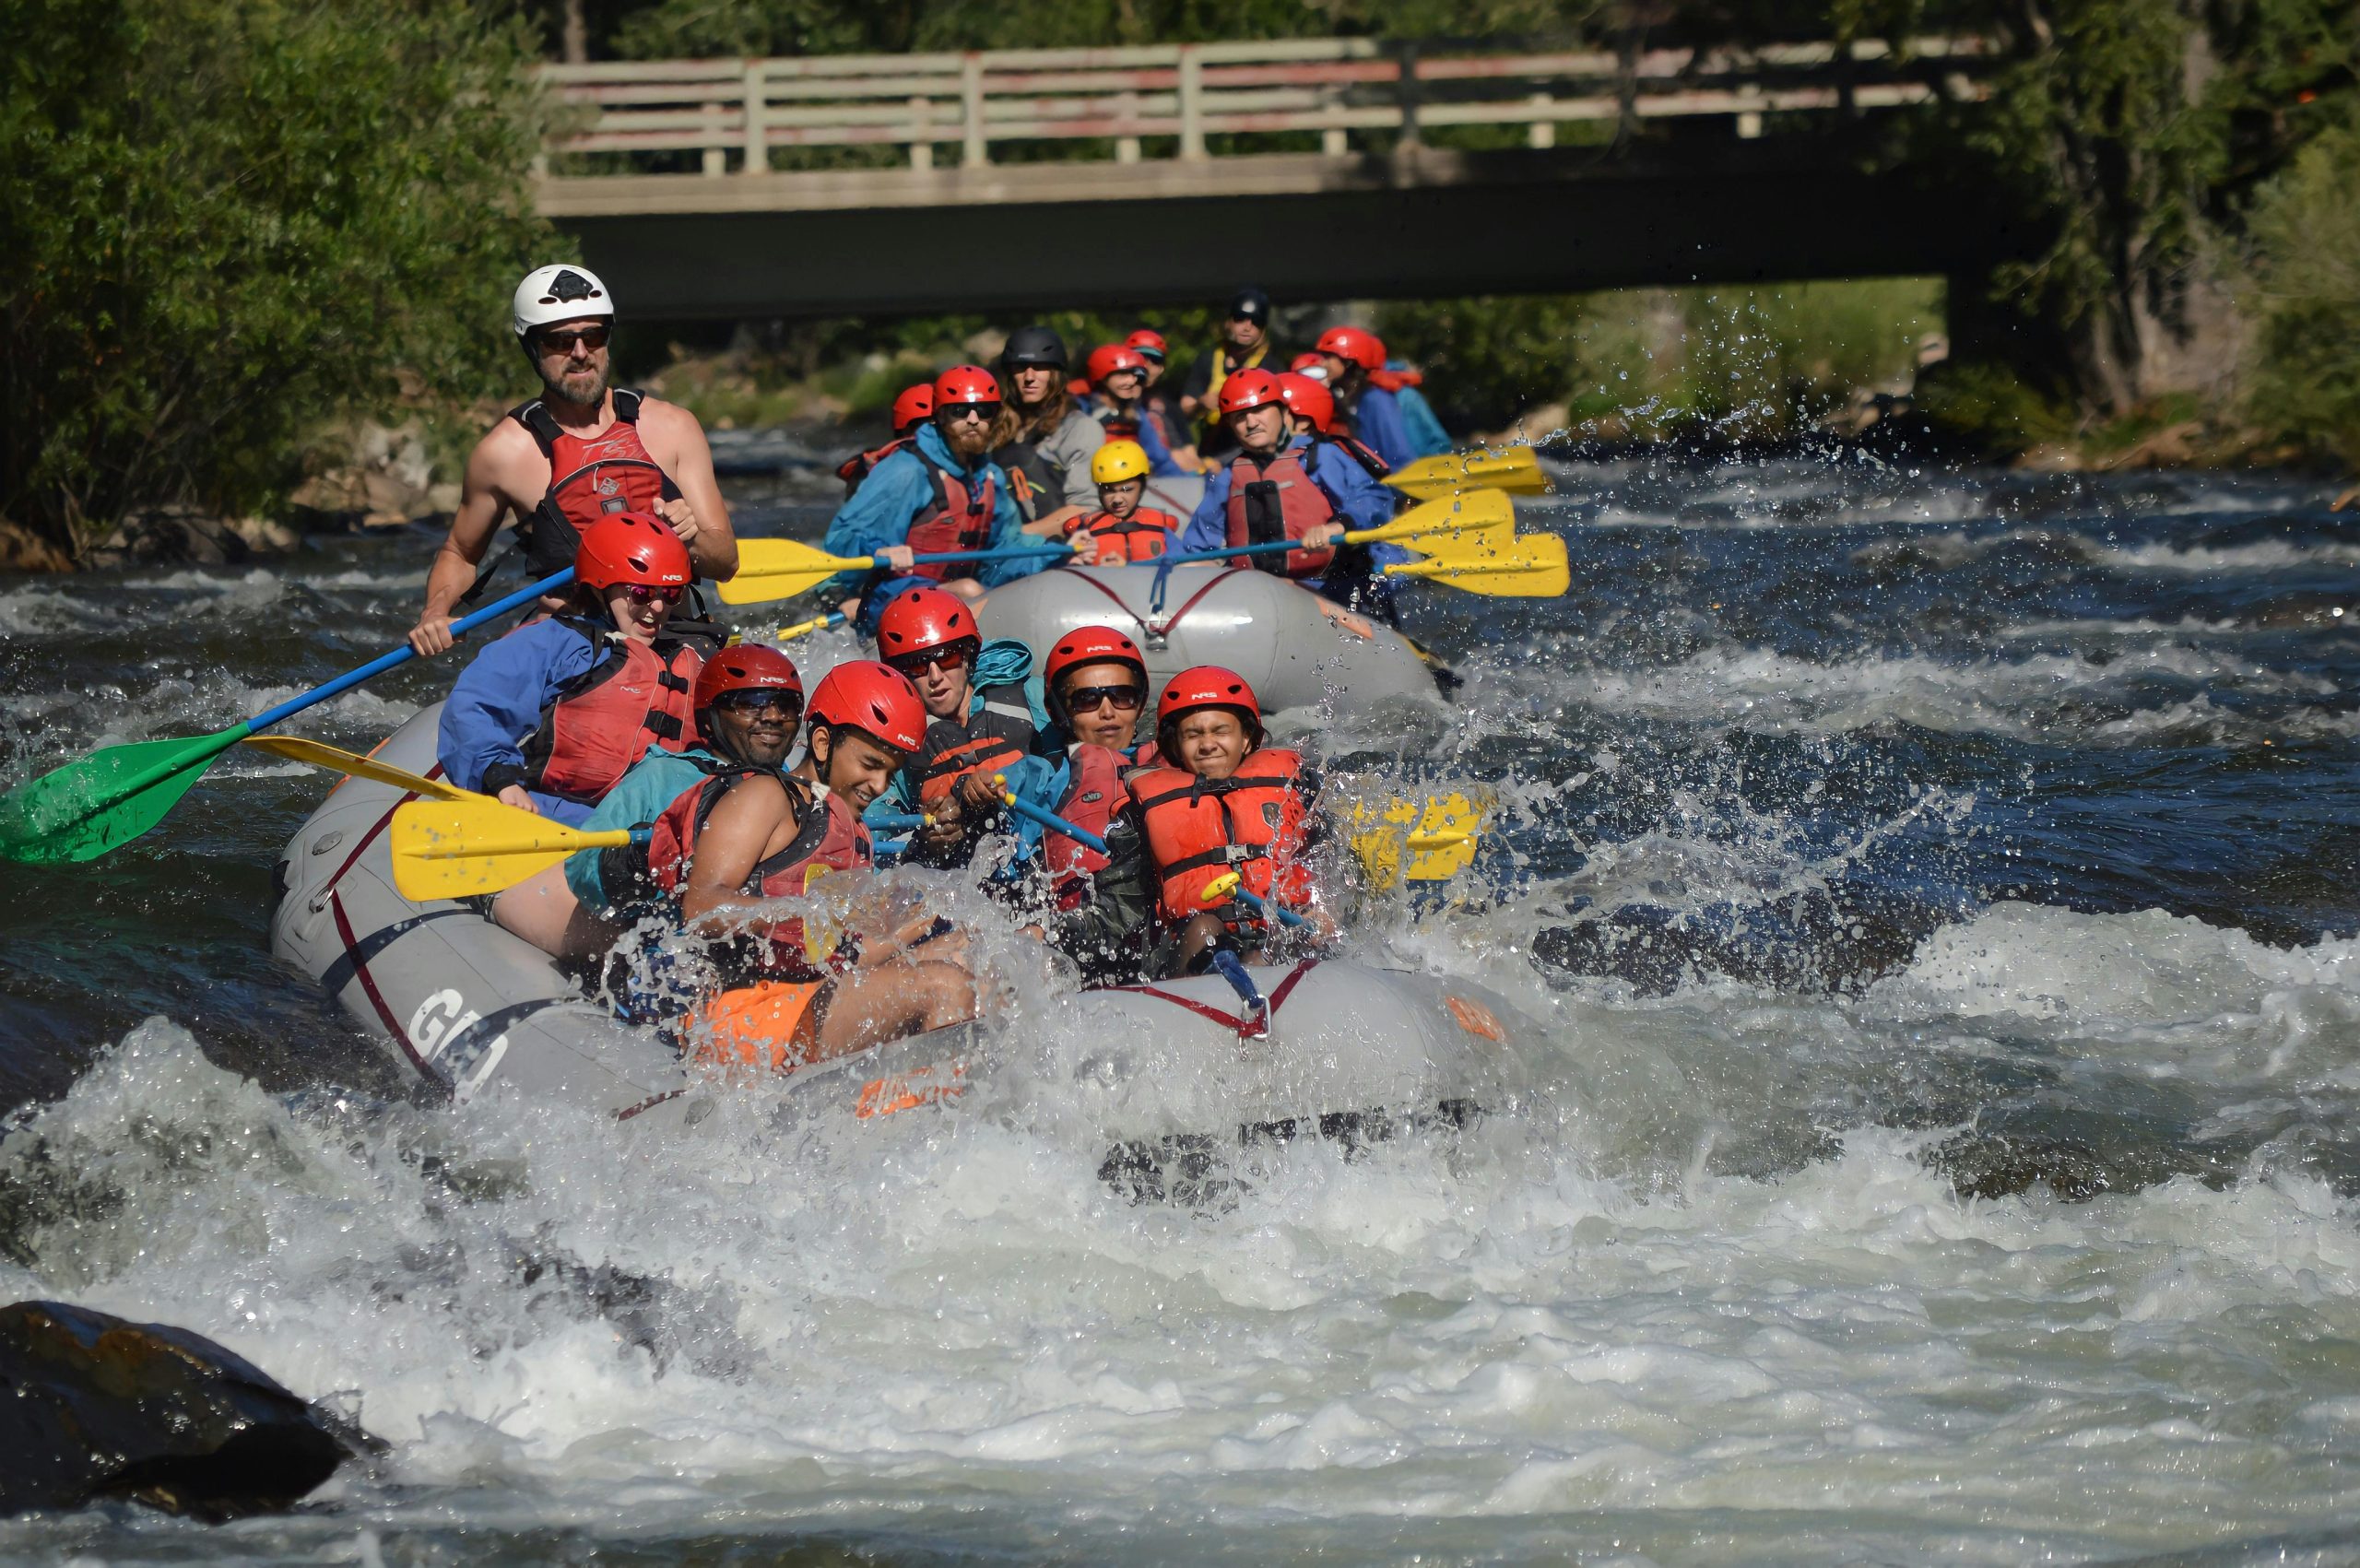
[1746, 362]
[2304, 375]
[231, 221]
[1993, 407]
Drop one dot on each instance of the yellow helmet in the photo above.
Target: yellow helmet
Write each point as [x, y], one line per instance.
[1117, 461]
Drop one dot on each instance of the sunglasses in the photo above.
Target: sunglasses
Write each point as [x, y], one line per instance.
[984, 411]
[642, 593]
[952, 656]
[1088, 699]
[755, 700]
[590, 337]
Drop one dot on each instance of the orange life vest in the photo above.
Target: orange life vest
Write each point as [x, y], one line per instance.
[1254, 822]
[831, 838]
[636, 696]
[1143, 535]
[1276, 500]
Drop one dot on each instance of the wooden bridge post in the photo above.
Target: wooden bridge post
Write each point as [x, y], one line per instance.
[921, 144]
[1192, 104]
[1408, 94]
[757, 90]
[976, 152]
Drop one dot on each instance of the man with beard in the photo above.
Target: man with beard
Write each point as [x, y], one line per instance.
[583, 450]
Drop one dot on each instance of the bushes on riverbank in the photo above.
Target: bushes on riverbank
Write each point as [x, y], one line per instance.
[2303, 295]
[231, 221]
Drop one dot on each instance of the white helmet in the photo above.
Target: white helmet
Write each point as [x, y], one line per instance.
[563, 292]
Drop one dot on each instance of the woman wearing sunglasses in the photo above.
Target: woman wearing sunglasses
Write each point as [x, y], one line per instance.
[550, 716]
[1093, 907]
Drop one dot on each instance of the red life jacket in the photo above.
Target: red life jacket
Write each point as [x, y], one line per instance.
[1093, 800]
[636, 696]
[859, 466]
[1274, 501]
[1143, 535]
[590, 478]
[958, 518]
[829, 838]
[1119, 425]
[996, 736]
[1394, 380]
[1198, 830]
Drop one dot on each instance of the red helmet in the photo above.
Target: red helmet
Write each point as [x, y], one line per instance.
[918, 619]
[875, 699]
[1149, 342]
[1206, 685]
[1088, 645]
[1362, 349]
[1307, 399]
[747, 666]
[1248, 389]
[965, 384]
[1306, 363]
[630, 546]
[1109, 358]
[914, 404]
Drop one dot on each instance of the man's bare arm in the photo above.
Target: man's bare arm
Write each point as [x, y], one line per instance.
[713, 543]
[453, 572]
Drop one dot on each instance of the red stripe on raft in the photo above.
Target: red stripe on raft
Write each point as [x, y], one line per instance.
[1205, 1010]
[1174, 618]
[369, 985]
[370, 836]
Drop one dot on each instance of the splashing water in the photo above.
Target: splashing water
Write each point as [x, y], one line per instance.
[1939, 900]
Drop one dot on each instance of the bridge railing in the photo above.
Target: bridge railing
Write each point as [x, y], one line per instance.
[734, 114]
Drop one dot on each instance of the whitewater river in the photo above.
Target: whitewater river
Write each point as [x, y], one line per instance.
[1938, 894]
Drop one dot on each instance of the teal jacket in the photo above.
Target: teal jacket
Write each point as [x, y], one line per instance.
[638, 799]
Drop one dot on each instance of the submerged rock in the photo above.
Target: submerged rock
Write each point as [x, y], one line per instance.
[93, 1406]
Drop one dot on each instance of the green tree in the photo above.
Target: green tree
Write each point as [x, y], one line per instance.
[2304, 372]
[230, 220]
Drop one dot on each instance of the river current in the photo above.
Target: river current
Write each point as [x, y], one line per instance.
[1938, 892]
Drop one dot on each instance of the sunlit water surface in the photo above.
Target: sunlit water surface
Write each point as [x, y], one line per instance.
[1939, 893]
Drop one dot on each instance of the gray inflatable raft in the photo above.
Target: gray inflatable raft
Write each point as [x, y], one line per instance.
[1277, 635]
[468, 1008]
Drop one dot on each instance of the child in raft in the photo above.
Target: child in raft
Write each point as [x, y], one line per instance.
[1121, 530]
[727, 851]
[1219, 802]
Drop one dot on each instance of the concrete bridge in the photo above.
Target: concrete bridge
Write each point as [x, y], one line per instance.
[1322, 169]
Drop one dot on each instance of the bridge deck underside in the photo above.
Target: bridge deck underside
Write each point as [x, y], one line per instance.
[1305, 228]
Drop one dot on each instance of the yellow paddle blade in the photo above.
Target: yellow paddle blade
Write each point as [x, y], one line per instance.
[456, 849]
[295, 748]
[1512, 468]
[780, 569]
[1218, 890]
[1405, 839]
[1534, 568]
[1475, 519]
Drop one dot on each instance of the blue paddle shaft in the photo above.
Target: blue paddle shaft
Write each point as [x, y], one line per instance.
[1049, 819]
[404, 654]
[1009, 552]
[892, 821]
[1268, 910]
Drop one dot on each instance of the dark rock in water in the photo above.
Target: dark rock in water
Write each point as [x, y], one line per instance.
[92, 1407]
[182, 536]
[1836, 939]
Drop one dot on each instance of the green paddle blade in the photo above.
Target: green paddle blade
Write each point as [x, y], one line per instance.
[86, 808]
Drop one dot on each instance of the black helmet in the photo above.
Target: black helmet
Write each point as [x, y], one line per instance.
[1032, 346]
